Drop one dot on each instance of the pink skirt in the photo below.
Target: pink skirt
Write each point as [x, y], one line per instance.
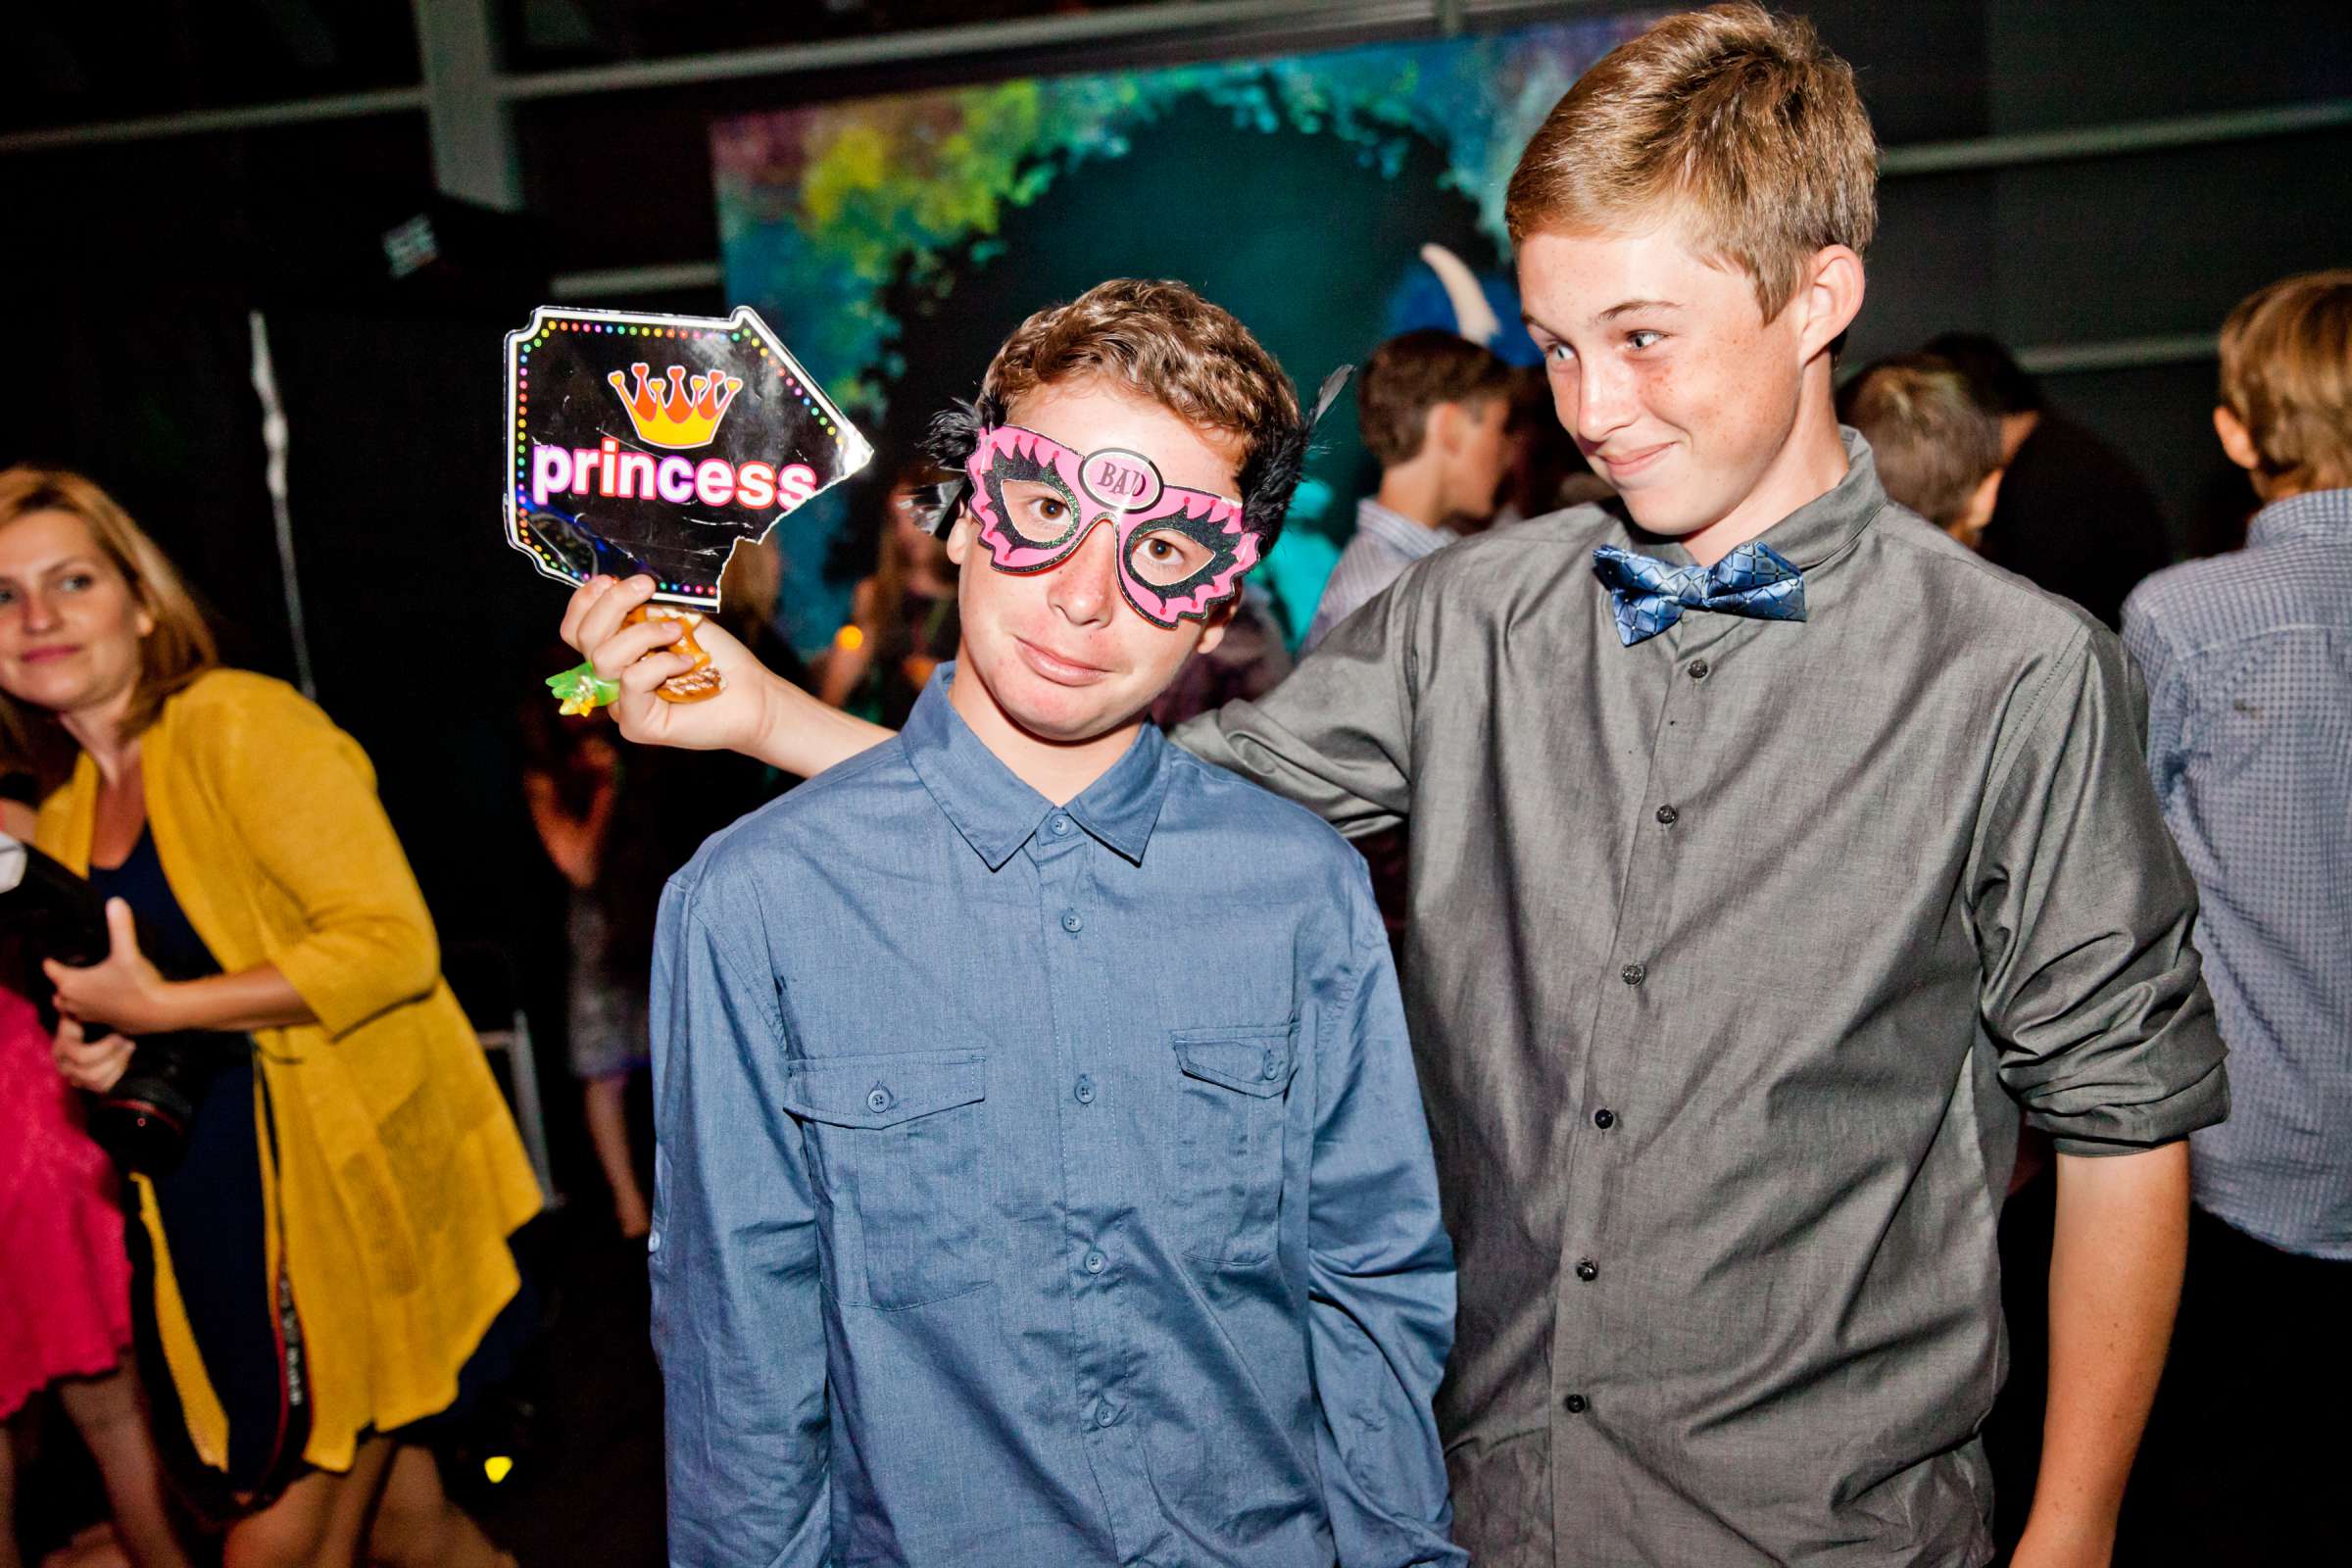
[64, 1278]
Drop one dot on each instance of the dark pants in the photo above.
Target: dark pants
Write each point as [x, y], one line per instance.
[2248, 1455]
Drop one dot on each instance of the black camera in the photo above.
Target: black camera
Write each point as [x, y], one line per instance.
[143, 1120]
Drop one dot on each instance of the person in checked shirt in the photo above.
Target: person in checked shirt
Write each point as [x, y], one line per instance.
[1042, 1176]
[1738, 804]
[2248, 658]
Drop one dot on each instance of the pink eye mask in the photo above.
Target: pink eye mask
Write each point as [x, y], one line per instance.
[1181, 553]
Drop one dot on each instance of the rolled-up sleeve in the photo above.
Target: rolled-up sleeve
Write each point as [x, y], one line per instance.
[1381, 1291]
[1336, 736]
[737, 1324]
[2082, 911]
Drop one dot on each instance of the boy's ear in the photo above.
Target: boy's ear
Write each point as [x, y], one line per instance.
[1446, 425]
[1831, 297]
[961, 536]
[1212, 627]
[1980, 501]
[2236, 440]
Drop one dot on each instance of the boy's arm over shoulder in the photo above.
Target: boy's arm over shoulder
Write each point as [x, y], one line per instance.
[1336, 736]
[1381, 1276]
[2082, 911]
[738, 1319]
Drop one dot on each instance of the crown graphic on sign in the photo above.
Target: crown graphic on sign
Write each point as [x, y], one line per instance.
[684, 413]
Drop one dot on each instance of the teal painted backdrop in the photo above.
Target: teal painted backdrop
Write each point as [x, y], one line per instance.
[893, 241]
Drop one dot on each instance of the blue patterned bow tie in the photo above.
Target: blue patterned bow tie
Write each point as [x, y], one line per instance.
[1650, 595]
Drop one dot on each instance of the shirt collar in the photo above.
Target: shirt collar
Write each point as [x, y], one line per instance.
[2318, 514]
[1400, 533]
[996, 812]
[1815, 532]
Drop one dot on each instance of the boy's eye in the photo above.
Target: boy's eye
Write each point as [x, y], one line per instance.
[1559, 354]
[1643, 338]
[1038, 510]
[1167, 558]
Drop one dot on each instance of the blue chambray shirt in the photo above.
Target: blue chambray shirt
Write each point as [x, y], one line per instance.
[1041, 1187]
[2248, 659]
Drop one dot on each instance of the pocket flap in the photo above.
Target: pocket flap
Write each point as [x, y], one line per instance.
[1255, 1061]
[884, 1091]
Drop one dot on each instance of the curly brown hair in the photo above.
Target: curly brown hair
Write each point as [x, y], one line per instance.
[1161, 341]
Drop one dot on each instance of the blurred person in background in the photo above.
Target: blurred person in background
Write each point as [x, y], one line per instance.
[1939, 451]
[903, 619]
[589, 818]
[2074, 516]
[2248, 663]
[1435, 409]
[324, 1266]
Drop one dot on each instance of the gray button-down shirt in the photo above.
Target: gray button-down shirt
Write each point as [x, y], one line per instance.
[1703, 929]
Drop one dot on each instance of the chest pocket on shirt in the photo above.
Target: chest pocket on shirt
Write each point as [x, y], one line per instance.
[893, 1144]
[1233, 1087]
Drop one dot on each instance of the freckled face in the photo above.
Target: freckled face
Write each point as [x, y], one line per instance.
[1060, 653]
[1663, 369]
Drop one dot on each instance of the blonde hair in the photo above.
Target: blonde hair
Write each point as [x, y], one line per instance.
[1162, 342]
[1932, 441]
[1737, 122]
[171, 655]
[2286, 373]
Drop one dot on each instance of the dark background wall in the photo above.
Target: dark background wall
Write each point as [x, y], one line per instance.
[134, 260]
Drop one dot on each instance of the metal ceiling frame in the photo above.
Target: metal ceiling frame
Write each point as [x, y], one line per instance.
[469, 104]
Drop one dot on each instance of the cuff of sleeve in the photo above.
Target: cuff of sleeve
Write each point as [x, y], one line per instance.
[324, 985]
[2132, 1129]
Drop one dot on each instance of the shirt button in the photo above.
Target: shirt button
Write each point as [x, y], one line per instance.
[1633, 974]
[1588, 1271]
[1105, 1413]
[1699, 668]
[1060, 824]
[1574, 1404]
[877, 1098]
[1604, 1119]
[1085, 1090]
[1096, 1263]
[1273, 1066]
[1668, 815]
[1072, 922]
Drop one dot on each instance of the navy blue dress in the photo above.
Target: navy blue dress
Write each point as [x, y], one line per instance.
[214, 1220]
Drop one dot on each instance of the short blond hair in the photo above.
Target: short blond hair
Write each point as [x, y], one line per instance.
[1736, 122]
[172, 657]
[1932, 441]
[2286, 373]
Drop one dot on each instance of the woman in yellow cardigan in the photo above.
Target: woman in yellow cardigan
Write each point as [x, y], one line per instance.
[330, 1250]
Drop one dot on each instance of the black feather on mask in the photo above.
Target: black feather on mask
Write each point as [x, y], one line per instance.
[1273, 472]
[949, 442]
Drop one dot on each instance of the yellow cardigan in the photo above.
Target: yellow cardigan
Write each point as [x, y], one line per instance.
[399, 1172]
